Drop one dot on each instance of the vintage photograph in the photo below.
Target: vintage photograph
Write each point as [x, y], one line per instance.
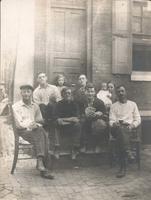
[75, 100]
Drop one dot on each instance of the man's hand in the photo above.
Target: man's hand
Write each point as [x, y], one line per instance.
[116, 124]
[60, 121]
[74, 119]
[32, 126]
[98, 114]
[131, 126]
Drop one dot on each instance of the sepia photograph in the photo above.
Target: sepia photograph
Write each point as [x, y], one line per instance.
[75, 99]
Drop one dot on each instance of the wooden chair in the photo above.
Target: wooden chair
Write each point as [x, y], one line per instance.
[135, 144]
[20, 145]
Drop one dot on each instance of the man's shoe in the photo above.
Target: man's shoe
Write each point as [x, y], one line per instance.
[46, 175]
[97, 149]
[83, 149]
[40, 165]
[74, 155]
[121, 174]
[57, 154]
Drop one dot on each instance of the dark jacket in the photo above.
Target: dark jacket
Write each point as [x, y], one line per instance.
[66, 109]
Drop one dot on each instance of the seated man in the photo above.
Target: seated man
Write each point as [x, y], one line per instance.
[28, 120]
[93, 117]
[67, 116]
[124, 117]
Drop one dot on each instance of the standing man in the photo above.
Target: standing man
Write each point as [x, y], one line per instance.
[79, 93]
[44, 93]
[124, 118]
[28, 121]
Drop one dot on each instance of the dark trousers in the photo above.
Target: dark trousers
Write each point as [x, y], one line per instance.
[38, 138]
[74, 129]
[122, 135]
[92, 137]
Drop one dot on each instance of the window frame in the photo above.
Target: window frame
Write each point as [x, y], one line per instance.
[140, 38]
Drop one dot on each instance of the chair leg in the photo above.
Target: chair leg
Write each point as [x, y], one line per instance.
[16, 151]
[138, 159]
[111, 157]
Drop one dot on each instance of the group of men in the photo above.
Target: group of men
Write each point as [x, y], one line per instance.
[79, 112]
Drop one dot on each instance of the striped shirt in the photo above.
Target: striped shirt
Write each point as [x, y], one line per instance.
[43, 95]
[25, 114]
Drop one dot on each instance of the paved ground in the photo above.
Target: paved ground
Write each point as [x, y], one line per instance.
[88, 182]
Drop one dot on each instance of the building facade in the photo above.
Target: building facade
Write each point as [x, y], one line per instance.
[104, 39]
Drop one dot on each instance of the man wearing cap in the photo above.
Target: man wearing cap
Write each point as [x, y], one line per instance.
[28, 121]
[43, 94]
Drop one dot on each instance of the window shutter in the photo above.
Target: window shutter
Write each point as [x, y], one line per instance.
[121, 37]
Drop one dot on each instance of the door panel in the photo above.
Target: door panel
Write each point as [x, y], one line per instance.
[68, 49]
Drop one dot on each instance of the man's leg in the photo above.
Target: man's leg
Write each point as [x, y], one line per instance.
[39, 139]
[121, 134]
[99, 133]
[76, 135]
[86, 135]
[57, 142]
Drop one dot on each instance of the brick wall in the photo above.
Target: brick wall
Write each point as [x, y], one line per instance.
[102, 56]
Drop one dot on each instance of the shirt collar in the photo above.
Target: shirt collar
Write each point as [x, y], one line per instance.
[43, 87]
[23, 104]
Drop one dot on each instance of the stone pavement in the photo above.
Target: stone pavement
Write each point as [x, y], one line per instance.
[84, 183]
[88, 182]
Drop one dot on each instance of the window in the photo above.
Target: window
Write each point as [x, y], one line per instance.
[141, 23]
[141, 37]
[141, 57]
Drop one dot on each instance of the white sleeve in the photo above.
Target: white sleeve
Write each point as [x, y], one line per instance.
[136, 116]
[36, 97]
[112, 115]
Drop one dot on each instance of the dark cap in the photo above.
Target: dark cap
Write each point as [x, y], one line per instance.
[89, 85]
[22, 87]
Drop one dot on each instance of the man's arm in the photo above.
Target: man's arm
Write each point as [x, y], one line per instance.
[38, 115]
[57, 94]
[19, 122]
[136, 117]
[112, 116]
[36, 97]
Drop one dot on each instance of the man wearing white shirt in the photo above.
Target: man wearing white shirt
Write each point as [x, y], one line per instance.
[124, 117]
[44, 93]
[28, 121]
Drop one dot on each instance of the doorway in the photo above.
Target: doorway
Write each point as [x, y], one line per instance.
[67, 49]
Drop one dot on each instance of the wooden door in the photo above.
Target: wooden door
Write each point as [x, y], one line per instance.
[68, 39]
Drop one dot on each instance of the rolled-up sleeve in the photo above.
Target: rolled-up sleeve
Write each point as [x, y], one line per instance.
[57, 94]
[112, 116]
[136, 116]
[38, 115]
[36, 97]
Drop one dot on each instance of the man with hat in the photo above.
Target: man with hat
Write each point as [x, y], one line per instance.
[28, 121]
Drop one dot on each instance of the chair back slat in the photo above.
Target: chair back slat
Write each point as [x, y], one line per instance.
[13, 120]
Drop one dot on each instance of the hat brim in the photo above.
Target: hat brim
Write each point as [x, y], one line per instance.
[29, 87]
